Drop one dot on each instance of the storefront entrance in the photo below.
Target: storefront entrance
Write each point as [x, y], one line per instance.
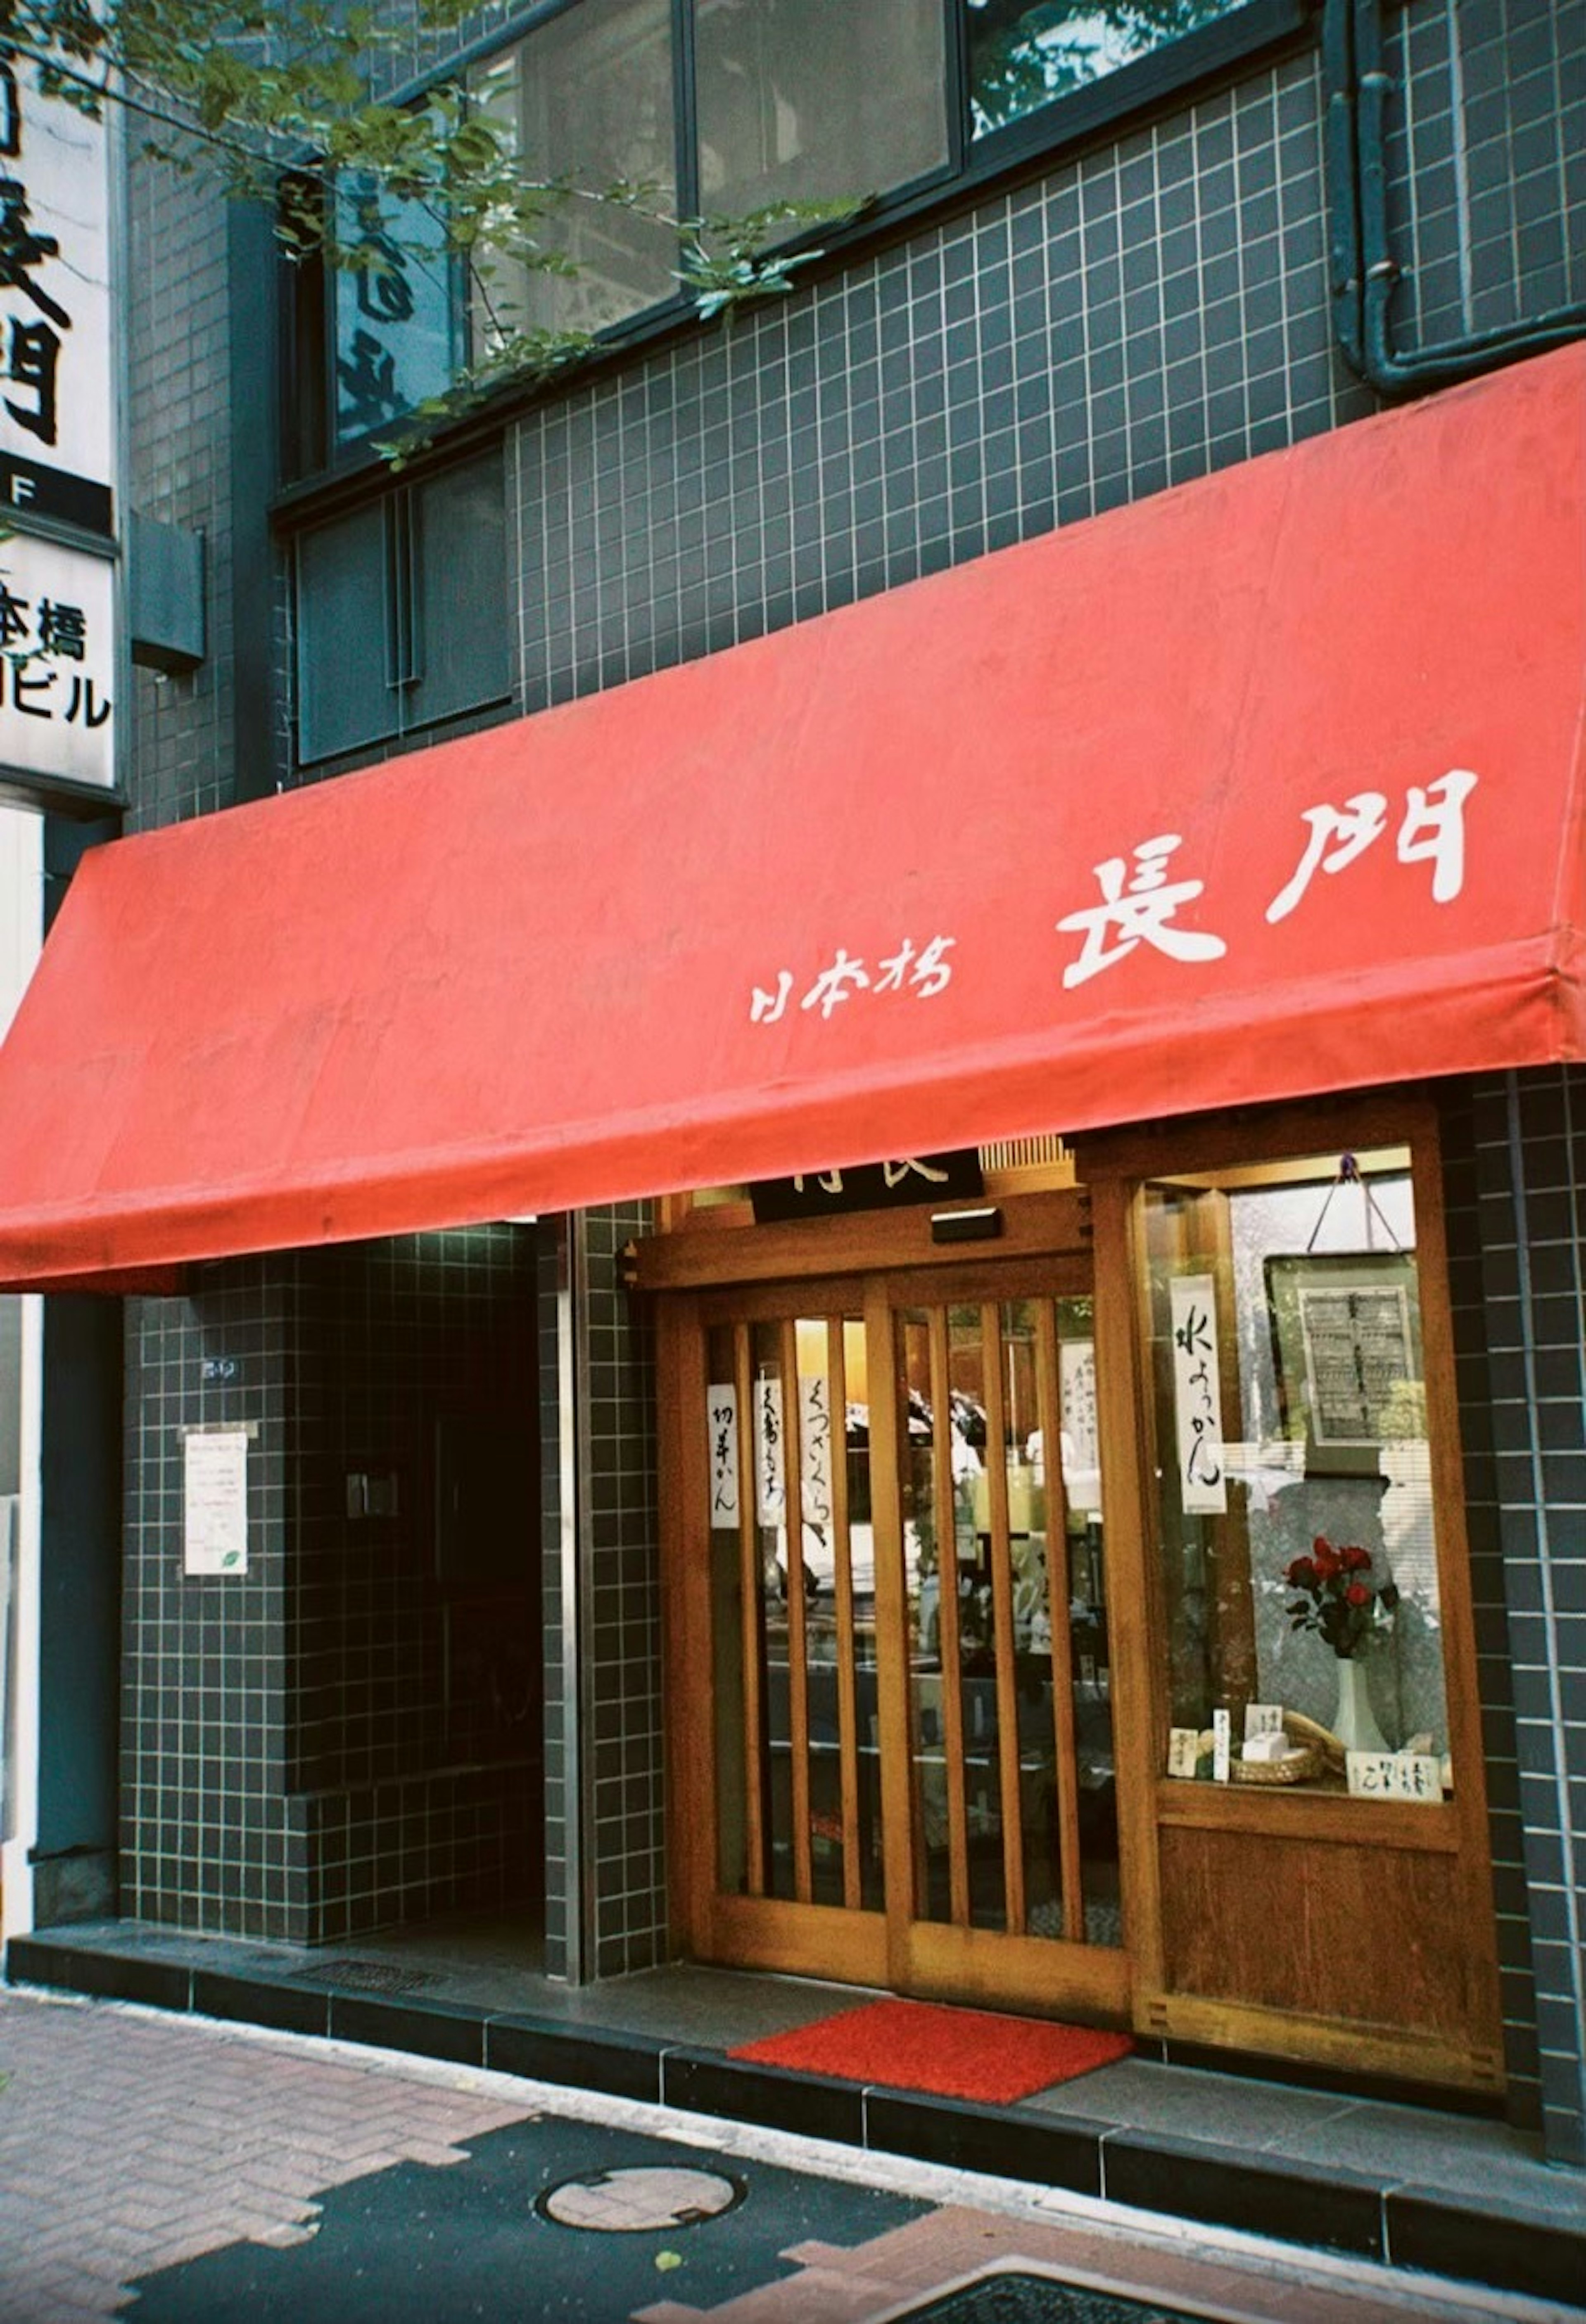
[908, 1762]
[1082, 1622]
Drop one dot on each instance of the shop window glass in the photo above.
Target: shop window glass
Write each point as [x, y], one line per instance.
[1023, 57]
[810, 100]
[402, 613]
[1294, 1523]
[589, 97]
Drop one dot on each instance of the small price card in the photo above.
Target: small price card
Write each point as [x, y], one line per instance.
[1394, 1776]
[1184, 1746]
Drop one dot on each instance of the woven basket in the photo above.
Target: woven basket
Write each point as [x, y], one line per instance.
[1300, 1764]
[1316, 1751]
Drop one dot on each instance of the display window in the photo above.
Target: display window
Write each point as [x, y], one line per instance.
[1294, 1530]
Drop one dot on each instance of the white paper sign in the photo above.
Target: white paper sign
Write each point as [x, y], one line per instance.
[216, 1500]
[770, 1492]
[1184, 1751]
[1221, 1746]
[1263, 1718]
[1076, 1378]
[722, 1410]
[1393, 1775]
[815, 1440]
[1197, 1394]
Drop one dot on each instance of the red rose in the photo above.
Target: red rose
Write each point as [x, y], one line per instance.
[1356, 1561]
[1329, 1564]
[1358, 1594]
[1301, 1574]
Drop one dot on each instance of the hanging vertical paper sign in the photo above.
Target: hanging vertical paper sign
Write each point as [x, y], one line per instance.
[721, 1409]
[815, 1436]
[1197, 1395]
[770, 1492]
[216, 1500]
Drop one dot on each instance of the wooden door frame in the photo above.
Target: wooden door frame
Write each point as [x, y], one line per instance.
[887, 1948]
[1116, 1168]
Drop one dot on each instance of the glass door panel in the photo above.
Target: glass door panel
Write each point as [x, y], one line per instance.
[792, 1607]
[1011, 1722]
[986, 1673]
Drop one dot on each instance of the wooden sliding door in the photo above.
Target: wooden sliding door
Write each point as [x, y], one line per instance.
[890, 1620]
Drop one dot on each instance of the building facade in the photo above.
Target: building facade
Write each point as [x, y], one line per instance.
[531, 1611]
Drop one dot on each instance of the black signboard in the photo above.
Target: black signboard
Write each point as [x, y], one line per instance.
[870, 1186]
[30, 488]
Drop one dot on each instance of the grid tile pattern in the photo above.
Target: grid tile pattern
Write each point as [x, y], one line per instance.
[1487, 163]
[209, 1838]
[1478, 1378]
[334, 1740]
[1530, 1171]
[617, 1793]
[179, 378]
[1147, 312]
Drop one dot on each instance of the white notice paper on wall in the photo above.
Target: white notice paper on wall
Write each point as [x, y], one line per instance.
[216, 1500]
[722, 1405]
[1197, 1395]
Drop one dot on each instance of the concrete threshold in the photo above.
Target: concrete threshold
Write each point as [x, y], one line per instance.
[1406, 2186]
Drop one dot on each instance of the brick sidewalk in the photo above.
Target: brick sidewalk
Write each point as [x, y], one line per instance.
[132, 2143]
[129, 2144]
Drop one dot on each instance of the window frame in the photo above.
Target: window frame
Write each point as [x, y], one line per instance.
[403, 624]
[973, 166]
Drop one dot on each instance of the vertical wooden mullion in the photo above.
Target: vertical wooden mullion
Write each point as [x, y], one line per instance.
[843, 1563]
[750, 1587]
[797, 1655]
[1003, 1608]
[1050, 1401]
[886, 1478]
[948, 1616]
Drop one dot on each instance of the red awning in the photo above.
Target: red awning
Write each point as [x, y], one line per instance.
[1265, 786]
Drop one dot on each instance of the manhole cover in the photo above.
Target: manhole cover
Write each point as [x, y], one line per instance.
[366, 1975]
[628, 2202]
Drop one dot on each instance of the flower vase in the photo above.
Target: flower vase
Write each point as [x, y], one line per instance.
[1352, 1723]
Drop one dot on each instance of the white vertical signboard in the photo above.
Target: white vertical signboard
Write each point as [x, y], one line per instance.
[1197, 1395]
[815, 1444]
[58, 657]
[722, 1411]
[771, 1491]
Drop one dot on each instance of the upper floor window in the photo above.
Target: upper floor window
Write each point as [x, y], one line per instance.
[696, 109]
[1022, 56]
[402, 618]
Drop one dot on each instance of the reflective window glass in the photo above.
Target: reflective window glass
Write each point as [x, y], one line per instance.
[1023, 57]
[587, 98]
[807, 100]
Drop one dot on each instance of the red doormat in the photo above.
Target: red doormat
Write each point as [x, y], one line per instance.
[952, 2053]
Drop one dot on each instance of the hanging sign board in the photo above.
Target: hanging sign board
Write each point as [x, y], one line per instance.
[771, 1491]
[870, 1186]
[814, 1447]
[722, 1408]
[215, 1492]
[1197, 1395]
